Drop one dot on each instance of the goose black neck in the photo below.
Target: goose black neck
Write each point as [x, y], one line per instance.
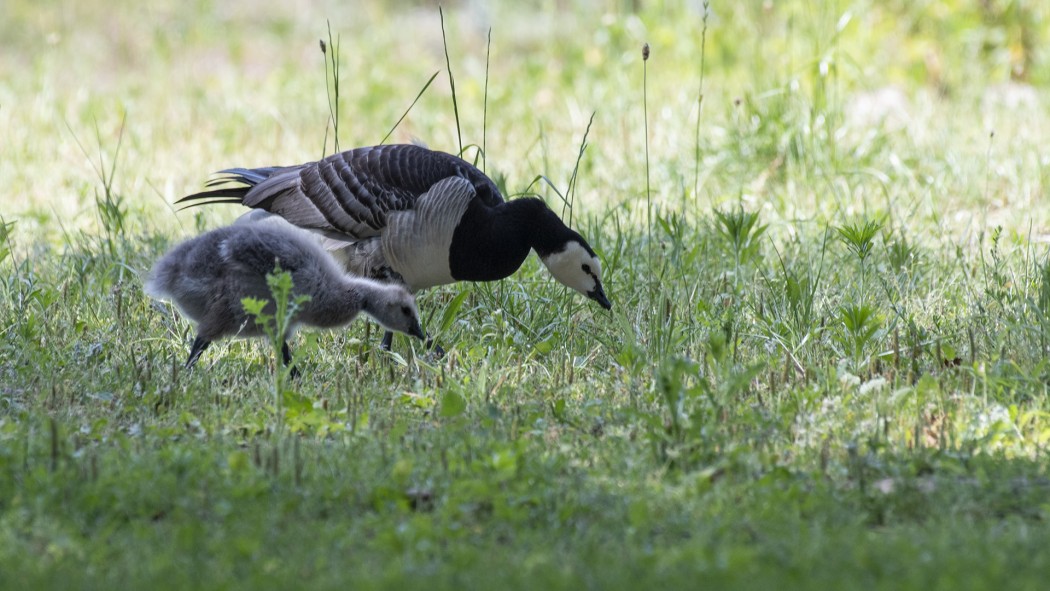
[491, 243]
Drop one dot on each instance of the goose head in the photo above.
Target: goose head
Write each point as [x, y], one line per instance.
[576, 266]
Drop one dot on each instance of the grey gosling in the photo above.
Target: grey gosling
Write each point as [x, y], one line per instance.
[207, 277]
[414, 216]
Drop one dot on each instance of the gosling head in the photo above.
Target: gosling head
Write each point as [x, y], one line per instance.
[576, 266]
[394, 308]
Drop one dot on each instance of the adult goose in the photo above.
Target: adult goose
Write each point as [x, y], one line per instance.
[207, 277]
[416, 216]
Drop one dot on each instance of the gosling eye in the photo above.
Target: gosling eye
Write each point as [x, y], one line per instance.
[587, 269]
[406, 310]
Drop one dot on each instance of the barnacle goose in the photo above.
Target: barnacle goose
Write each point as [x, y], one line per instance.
[416, 216]
[207, 277]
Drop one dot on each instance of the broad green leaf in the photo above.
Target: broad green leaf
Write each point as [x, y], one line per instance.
[452, 310]
[452, 404]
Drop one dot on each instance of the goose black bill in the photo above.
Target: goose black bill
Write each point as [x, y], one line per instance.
[598, 294]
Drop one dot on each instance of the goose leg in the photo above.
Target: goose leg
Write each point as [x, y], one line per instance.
[435, 349]
[199, 345]
[388, 339]
[286, 357]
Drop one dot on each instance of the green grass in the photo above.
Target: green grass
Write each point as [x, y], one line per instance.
[826, 366]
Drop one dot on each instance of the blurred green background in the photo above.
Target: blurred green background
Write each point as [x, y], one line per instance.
[811, 109]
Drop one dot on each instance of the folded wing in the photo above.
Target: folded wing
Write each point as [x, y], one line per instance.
[347, 196]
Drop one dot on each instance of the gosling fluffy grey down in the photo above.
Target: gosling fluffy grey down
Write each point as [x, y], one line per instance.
[208, 276]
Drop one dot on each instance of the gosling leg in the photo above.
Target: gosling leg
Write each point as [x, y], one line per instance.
[286, 357]
[388, 339]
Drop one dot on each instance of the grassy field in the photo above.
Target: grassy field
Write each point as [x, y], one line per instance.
[826, 366]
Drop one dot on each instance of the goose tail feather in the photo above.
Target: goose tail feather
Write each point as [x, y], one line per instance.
[243, 179]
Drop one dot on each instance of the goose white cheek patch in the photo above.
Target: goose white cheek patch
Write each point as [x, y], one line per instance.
[567, 267]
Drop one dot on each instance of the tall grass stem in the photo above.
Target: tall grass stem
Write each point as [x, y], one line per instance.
[700, 105]
[405, 114]
[332, 91]
[451, 82]
[485, 105]
[648, 188]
